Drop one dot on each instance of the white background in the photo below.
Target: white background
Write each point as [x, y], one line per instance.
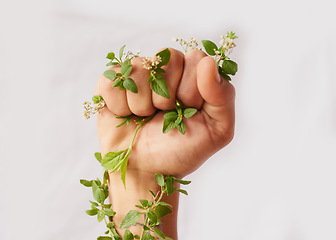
[276, 180]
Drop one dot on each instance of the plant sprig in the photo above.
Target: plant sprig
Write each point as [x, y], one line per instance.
[154, 65]
[226, 66]
[122, 79]
[174, 118]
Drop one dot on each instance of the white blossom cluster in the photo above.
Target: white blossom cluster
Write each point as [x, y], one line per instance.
[89, 110]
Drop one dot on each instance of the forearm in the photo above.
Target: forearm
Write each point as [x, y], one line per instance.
[137, 185]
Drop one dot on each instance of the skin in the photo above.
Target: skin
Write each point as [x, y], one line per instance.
[194, 80]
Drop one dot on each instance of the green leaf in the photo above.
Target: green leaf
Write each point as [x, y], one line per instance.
[110, 74]
[129, 84]
[117, 82]
[169, 185]
[165, 204]
[100, 216]
[123, 168]
[126, 68]
[94, 203]
[110, 55]
[98, 194]
[137, 236]
[109, 212]
[152, 216]
[121, 51]
[131, 218]
[160, 87]
[184, 182]
[105, 177]
[189, 112]
[113, 160]
[147, 236]
[181, 191]
[97, 99]
[178, 120]
[223, 74]
[128, 235]
[86, 183]
[209, 47]
[162, 211]
[165, 57]
[111, 63]
[144, 202]
[229, 67]
[159, 179]
[159, 233]
[182, 127]
[151, 193]
[104, 238]
[107, 205]
[170, 116]
[98, 156]
[167, 126]
[92, 212]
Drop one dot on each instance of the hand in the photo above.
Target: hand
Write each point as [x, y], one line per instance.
[194, 80]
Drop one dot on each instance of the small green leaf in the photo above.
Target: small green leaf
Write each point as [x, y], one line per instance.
[137, 236]
[165, 57]
[128, 235]
[182, 127]
[181, 191]
[126, 68]
[223, 74]
[165, 204]
[113, 160]
[159, 179]
[178, 120]
[94, 203]
[117, 82]
[144, 202]
[97, 99]
[100, 216]
[184, 182]
[107, 205]
[152, 216]
[121, 51]
[170, 116]
[151, 193]
[229, 67]
[92, 212]
[104, 238]
[160, 87]
[110, 55]
[129, 84]
[169, 182]
[140, 207]
[209, 47]
[147, 236]
[111, 64]
[110, 74]
[105, 177]
[86, 183]
[131, 218]
[162, 211]
[98, 194]
[159, 233]
[167, 126]
[109, 212]
[123, 168]
[189, 112]
[98, 156]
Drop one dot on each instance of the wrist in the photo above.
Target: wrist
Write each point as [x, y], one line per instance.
[137, 186]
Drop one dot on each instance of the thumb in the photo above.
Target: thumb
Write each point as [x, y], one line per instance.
[218, 95]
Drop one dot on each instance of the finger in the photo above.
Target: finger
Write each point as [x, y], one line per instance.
[187, 91]
[140, 103]
[114, 98]
[172, 76]
[219, 97]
